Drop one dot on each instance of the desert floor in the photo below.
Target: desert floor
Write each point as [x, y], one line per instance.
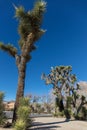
[51, 123]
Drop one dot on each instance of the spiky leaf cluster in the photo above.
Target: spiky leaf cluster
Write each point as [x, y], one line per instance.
[9, 49]
[37, 12]
[58, 74]
[61, 79]
[30, 21]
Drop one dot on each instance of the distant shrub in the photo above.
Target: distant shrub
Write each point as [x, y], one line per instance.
[67, 113]
[59, 114]
[78, 117]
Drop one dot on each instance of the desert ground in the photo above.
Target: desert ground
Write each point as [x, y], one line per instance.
[51, 123]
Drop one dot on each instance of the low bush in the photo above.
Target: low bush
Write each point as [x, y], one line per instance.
[20, 125]
[59, 114]
[2, 114]
[23, 112]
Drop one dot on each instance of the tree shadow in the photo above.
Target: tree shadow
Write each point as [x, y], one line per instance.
[51, 123]
[47, 126]
[44, 128]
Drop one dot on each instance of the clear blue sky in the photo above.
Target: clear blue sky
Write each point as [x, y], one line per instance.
[64, 43]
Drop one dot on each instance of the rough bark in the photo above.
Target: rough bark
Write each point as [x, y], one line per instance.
[80, 107]
[21, 62]
[59, 104]
[21, 83]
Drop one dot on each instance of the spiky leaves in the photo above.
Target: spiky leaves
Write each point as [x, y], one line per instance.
[37, 12]
[61, 78]
[20, 12]
[30, 22]
[10, 49]
[58, 74]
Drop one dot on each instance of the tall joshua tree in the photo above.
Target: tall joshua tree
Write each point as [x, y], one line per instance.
[63, 82]
[30, 31]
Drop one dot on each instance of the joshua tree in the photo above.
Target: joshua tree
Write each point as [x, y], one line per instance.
[63, 84]
[30, 31]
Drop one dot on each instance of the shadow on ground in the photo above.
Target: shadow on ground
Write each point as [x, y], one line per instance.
[47, 126]
[51, 123]
[44, 128]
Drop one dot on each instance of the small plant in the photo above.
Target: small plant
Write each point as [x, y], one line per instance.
[59, 114]
[20, 125]
[78, 116]
[23, 112]
[2, 114]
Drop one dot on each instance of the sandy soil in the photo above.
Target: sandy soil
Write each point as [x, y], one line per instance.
[50, 123]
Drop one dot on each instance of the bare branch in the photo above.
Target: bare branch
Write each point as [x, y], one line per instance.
[10, 49]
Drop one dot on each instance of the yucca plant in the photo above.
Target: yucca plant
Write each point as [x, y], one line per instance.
[30, 31]
[20, 125]
[2, 115]
[23, 120]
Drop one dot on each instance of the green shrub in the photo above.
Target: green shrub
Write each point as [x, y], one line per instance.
[2, 115]
[59, 114]
[23, 112]
[78, 117]
[55, 114]
[24, 101]
[20, 125]
[2, 119]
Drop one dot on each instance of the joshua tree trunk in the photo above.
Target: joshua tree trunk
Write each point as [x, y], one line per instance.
[21, 83]
[21, 62]
[78, 110]
[59, 104]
